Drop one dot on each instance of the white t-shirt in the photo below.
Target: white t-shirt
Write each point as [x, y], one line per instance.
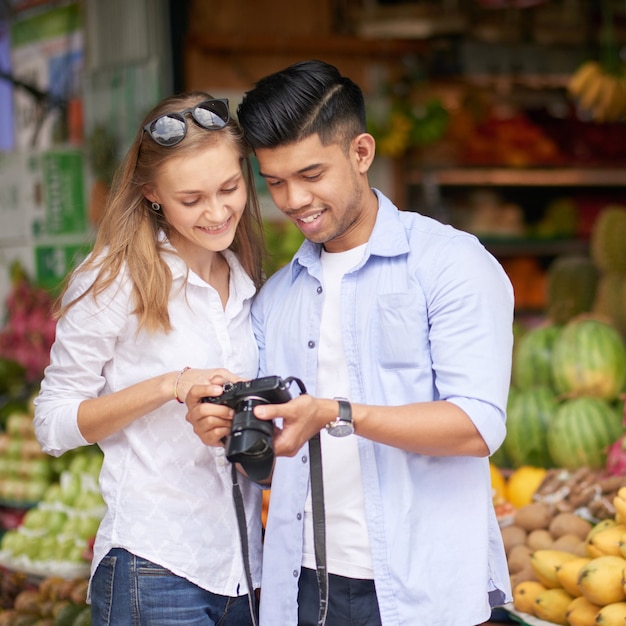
[168, 496]
[347, 540]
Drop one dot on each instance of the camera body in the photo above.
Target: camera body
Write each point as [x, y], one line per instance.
[250, 441]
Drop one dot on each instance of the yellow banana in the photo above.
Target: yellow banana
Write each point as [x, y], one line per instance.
[603, 106]
[620, 506]
[581, 77]
[592, 93]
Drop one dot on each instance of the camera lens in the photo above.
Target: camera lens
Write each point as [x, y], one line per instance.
[250, 440]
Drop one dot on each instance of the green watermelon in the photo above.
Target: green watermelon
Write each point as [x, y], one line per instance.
[589, 359]
[581, 431]
[529, 414]
[532, 357]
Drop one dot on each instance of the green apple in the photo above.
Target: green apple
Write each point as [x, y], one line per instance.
[56, 522]
[35, 489]
[53, 493]
[75, 554]
[35, 519]
[70, 487]
[19, 543]
[65, 545]
[33, 546]
[39, 468]
[88, 500]
[47, 549]
[79, 463]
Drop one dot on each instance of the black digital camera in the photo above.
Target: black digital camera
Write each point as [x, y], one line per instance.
[250, 442]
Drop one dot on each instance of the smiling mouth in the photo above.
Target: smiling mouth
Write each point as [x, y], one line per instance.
[309, 219]
[216, 228]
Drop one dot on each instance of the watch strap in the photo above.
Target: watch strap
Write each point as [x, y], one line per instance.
[345, 411]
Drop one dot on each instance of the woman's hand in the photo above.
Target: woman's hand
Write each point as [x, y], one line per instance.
[188, 377]
[211, 422]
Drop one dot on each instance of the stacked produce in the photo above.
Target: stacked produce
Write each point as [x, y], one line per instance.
[26, 471]
[564, 408]
[54, 601]
[56, 535]
[564, 569]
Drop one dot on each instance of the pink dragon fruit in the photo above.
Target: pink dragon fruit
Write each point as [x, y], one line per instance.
[29, 330]
[616, 456]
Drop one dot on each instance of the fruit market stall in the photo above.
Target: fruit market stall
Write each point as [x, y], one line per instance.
[560, 488]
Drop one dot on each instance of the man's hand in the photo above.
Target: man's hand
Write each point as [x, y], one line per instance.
[302, 417]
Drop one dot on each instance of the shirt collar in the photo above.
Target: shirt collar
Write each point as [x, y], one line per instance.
[388, 238]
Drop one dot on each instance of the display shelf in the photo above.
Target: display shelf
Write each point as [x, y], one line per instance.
[534, 247]
[502, 176]
[430, 190]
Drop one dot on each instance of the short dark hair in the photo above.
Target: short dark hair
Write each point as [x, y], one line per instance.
[307, 98]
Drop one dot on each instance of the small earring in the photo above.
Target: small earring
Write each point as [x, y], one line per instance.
[156, 207]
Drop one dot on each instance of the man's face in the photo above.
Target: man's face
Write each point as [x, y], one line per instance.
[322, 189]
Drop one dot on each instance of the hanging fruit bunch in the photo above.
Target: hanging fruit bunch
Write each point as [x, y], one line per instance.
[599, 86]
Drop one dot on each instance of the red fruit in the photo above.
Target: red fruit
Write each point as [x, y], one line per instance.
[616, 458]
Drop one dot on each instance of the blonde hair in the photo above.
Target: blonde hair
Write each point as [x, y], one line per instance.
[128, 234]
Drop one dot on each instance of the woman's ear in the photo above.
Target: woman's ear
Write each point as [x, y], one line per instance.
[365, 149]
[149, 194]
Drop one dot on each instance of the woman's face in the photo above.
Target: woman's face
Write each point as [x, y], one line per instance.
[202, 197]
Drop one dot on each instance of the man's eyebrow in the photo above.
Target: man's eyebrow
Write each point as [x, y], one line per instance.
[308, 168]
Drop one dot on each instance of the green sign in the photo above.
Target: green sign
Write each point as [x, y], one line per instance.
[55, 262]
[64, 193]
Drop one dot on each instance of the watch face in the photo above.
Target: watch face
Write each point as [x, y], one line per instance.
[341, 429]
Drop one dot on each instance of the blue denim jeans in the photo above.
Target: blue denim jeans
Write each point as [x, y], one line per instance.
[129, 591]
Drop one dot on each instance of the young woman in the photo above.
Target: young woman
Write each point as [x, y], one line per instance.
[161, 304]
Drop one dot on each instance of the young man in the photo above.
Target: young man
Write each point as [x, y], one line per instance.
[409, 322]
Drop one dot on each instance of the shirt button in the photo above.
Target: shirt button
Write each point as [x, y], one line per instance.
[311, 344]
[299, 516]
[295, 573]
[319, 289]
[304, 459]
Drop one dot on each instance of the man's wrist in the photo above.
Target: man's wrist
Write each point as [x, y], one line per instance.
[342, 424]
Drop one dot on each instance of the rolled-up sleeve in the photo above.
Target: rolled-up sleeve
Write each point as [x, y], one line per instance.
[85, 341]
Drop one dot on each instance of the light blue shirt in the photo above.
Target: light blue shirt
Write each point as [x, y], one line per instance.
[427, 315]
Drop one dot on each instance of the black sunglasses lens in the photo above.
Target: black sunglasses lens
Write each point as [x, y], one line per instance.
[212, 114]
[168, 130]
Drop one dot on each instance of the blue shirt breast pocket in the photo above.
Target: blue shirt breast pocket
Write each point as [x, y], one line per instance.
[401, 331]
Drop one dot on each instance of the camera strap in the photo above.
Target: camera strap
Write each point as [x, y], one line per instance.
[243, 536]
[319, 524]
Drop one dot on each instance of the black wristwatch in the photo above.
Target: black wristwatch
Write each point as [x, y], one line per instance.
[342, 425]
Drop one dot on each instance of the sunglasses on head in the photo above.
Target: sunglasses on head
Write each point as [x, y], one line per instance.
[170, 128]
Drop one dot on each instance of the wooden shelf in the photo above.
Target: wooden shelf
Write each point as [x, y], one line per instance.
[545, 177]
[318, 45]
[534, 247]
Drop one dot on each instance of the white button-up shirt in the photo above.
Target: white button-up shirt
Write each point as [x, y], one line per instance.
[168, 495]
